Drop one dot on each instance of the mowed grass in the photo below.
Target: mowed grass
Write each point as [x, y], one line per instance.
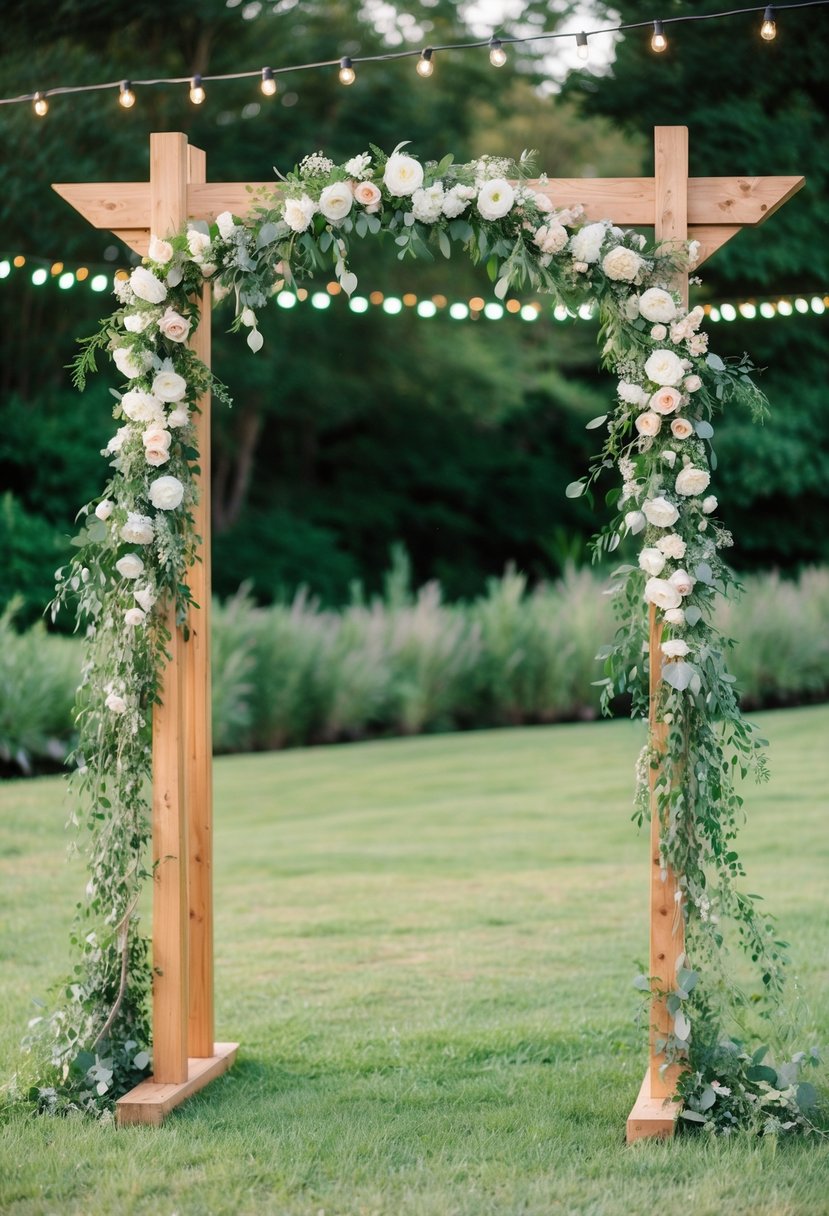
[425, 948]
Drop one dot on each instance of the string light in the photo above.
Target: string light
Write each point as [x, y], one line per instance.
[347, 73]
[497, 54]
[40, 105]
[197, 93]
[582, 49]
[768, 30]
[425, 67]
[126, 97]
[659, 42]
[268, 85]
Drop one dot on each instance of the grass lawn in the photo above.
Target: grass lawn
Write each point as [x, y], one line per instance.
[425, 948]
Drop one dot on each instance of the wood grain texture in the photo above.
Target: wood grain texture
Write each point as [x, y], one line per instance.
[651, 1117]
[151, 1101]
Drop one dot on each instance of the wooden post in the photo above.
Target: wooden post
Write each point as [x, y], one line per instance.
[197, 711]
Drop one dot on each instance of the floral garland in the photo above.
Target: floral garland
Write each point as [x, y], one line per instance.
[137, 543]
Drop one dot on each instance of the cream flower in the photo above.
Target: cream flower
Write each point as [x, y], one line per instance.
[174, 326]
[652, 561]
[131, 364]
[635, 521]
[105, 508]
[660, 512]
[144, 598]
[139, 406]
[130, 565]
[368, 195]
[138, 530]
[664, 367]
[669, 456]
[675, 617]
[180, 416]
[659, 333]
[137, 322]
[586, 244]
[147, 286]
[551, 238]
[622, 264]
[198, 243]
[225, 224]
[117, 441]
[456, 200]
[495, 198]
[160, 251]
[115, 704]
[648, 424]
[691, 384]
[156, 457]
[631, 394]
[665, 400]
[134, 616]
[402, 175]
[427, 205]
[691, 480]
[357, 166]
[166, 493]
[709, 504]
[662, 593]
[336, 201]
[298, 212]
[169, 385]
[657, 305]
[675, 648]
[543, 203]
[672, 545]
[682, 581]
[681, 428]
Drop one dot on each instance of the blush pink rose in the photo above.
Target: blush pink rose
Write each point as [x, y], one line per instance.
[681, 428]
[665, 400]
[174, 326]
[648, 424]
[367, 195]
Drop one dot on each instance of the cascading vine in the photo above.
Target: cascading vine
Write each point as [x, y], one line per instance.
[137, 543]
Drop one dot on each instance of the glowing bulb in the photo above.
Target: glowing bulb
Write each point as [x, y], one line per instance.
[197, 93]
[582, 49]
[768, 30]
[497, 54]
[658, 42]
[347, 73]
[268, 85]
[40, 105]
[126, 97]
[425, 67]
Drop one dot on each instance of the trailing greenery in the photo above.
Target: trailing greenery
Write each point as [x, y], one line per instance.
[129, 576]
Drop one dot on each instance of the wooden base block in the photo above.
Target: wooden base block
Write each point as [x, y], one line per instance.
[151, 1102]
[652, 1116]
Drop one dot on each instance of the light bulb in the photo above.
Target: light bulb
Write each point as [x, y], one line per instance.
[268, 85]
[658, 42]
[40, 105]
[347, 73]
[582, 49]
[425, 67]
[126, 97]
[497, 54]
[197, 93]
[768, 30]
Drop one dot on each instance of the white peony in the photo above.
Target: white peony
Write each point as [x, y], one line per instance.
[336, 201]
[147, 286]
[131, 364]
[675, 648]
[166, 493]
[551, 238]
[134, 616]
[169, 385]
[681, 428]
[160, 251]
[652, 561]
[622, 264]
[104, 508]
[586, 245]
[672, 546]
[634, 522]
[495, 198]
[137, 322]
[657, 305]
[180, 416]
[456, 200]
[682, 581]
[402, 175]
[709, 504]
[675, 617]
[130, 565]
[662, 593]
[427, 205]
[357, 166]
[225, 224]
[139, 406]
[174, 326]
[691, 480]
[648, 424]
[115, 703]
[632, 394]
[298, 212]
[145, 598]
[660, 512]
[664, 367]
[138, 530]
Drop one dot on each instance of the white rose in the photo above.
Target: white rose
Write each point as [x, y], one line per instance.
[672, 546]
[675, 648]
[622, 264]
[137, 322]
[160, 251]
[368, 195]
[180, 416]
[357, 166]
[298, 212]
[709, 504]
[495, 198]
[198, 243]
[115, 703]
[660, 512]
[156, 457]
[675, 617]
[138, 530]
[166, 493]
[402, 175]
[427, 205]
[225, 224]
[145, 598]
[147, 286]
[691, 384]
[169, 385]
[632, 394]
[663, 594]
[681, 428]
[130, 565]
[139, 406]
[104, 508]
[456, 200]
[131, 364]
[648, 424]
[659, 333]
[665, 400]
[586, 244]
[551, 238]
[691, 480]
[174, 326]
[652, 561]
[657, 305]
[664, 367]
[682, 581]
[134, 616]
[634, 522]
[335, 201]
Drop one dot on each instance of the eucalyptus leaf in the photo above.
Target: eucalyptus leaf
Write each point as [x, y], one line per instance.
[704, 429]
[715, 362]
[595, 423]
[678, 675]
[693, 614]
[575, 489]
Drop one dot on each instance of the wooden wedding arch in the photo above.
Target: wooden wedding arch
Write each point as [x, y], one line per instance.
[186, 1056]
